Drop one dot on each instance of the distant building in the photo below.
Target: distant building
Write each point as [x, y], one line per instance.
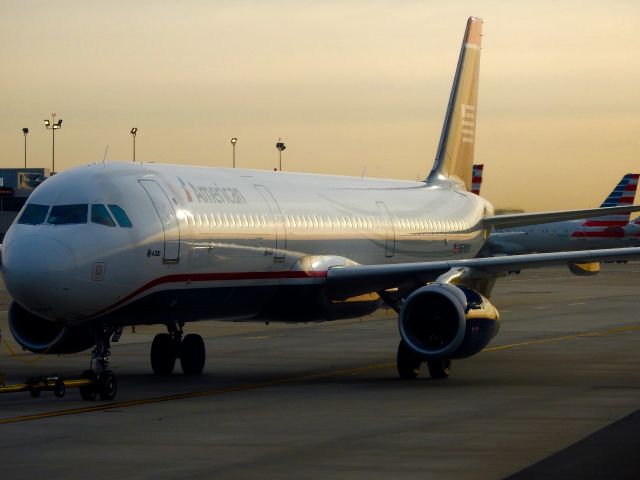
[16, 184]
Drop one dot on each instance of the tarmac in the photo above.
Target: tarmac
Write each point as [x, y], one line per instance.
[556, 395]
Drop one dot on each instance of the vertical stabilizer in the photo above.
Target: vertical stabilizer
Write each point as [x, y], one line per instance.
[456, 149]
[476, 178]
[612, 226]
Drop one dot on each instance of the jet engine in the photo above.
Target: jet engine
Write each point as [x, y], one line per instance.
[443, 321]
[39, 335]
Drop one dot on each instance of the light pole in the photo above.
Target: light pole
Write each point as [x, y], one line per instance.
[280, 146]
[133, 132]
[25, 131]
[234, 140]
[50, 125]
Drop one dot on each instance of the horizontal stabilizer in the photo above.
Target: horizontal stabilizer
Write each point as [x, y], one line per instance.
[524, 219]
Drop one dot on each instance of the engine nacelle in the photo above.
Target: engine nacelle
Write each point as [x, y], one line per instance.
[39, 335]
[447, 321]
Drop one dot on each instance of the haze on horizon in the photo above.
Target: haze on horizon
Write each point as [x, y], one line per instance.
[350, 86]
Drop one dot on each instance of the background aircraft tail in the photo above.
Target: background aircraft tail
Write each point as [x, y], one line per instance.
[476, 178]
[456, 148]
[612, 226]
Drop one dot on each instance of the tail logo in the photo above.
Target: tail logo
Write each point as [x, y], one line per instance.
[468, 121]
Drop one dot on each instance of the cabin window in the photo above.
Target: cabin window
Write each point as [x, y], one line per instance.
[120, 215]
[68, 214]
[34, 214]
[100, 215]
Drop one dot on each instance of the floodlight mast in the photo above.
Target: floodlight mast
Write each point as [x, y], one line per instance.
[280, 146]
[53, 126]
[234, 140]
[134, 132]
[25, 132]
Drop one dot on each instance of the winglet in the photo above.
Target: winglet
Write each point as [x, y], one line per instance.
[457, 140]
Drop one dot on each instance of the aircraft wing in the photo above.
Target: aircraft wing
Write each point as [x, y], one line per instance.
[349, 281]
[524, 219]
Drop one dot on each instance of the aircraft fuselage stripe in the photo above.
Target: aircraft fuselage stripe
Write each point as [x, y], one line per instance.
[213, 277]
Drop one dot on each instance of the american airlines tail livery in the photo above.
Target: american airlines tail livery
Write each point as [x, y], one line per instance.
[103, 246]
[476, 178]
[602, 232]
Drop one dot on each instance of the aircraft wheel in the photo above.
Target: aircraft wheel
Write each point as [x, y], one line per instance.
[88, 392]
[407, 363]
[107, 385]
[59, 389]
[35, 393]
[439, 369]
[163, 354]
[192, 354]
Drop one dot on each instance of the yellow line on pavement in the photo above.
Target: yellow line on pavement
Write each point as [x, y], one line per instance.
[105, 407]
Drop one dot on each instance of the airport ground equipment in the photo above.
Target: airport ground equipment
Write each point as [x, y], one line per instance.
[90, 387]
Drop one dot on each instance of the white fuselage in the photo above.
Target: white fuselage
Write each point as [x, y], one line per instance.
[223, 243]
[555, 237]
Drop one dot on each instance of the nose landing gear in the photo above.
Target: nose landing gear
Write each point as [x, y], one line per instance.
[103, 382]
[167, 347]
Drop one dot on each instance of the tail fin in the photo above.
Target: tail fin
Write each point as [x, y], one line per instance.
[623, 194]
[476, 178]
[456, 148]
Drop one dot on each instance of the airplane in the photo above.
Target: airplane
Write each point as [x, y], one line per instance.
[604, 232]
[107, 245]
[632, 232]
[476, 178]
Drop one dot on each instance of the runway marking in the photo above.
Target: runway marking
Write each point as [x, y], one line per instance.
[612, 331]
[540, 307]
[282, 381]
[258, 338]
[577, 303]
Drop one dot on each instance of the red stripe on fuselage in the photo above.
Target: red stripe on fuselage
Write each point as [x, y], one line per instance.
[605, 223]
[212, 277]
[601, 234]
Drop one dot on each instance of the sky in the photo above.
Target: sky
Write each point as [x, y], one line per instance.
[352, 87]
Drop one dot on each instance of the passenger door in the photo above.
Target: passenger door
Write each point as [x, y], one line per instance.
[168, 219]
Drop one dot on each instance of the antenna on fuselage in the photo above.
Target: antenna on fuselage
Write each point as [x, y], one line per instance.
[106, 151]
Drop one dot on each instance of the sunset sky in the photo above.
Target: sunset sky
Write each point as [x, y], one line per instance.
[350, 86]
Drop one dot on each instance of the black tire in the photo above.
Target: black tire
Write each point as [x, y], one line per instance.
[439, 369]
[408, 364]
[88, 392]
[192, 354]
[59, 388]
[107, 385]
[163, 354]
[35, 393]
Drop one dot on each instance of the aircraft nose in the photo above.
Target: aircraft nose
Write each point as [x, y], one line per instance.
[37, 270]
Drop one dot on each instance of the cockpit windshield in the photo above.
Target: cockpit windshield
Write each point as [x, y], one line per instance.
[68, 214]
[120, 216]
[34, 214]
[100, 215]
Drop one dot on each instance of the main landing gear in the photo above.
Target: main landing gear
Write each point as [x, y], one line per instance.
[102, 381]
[409, 364]
[167, 347]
